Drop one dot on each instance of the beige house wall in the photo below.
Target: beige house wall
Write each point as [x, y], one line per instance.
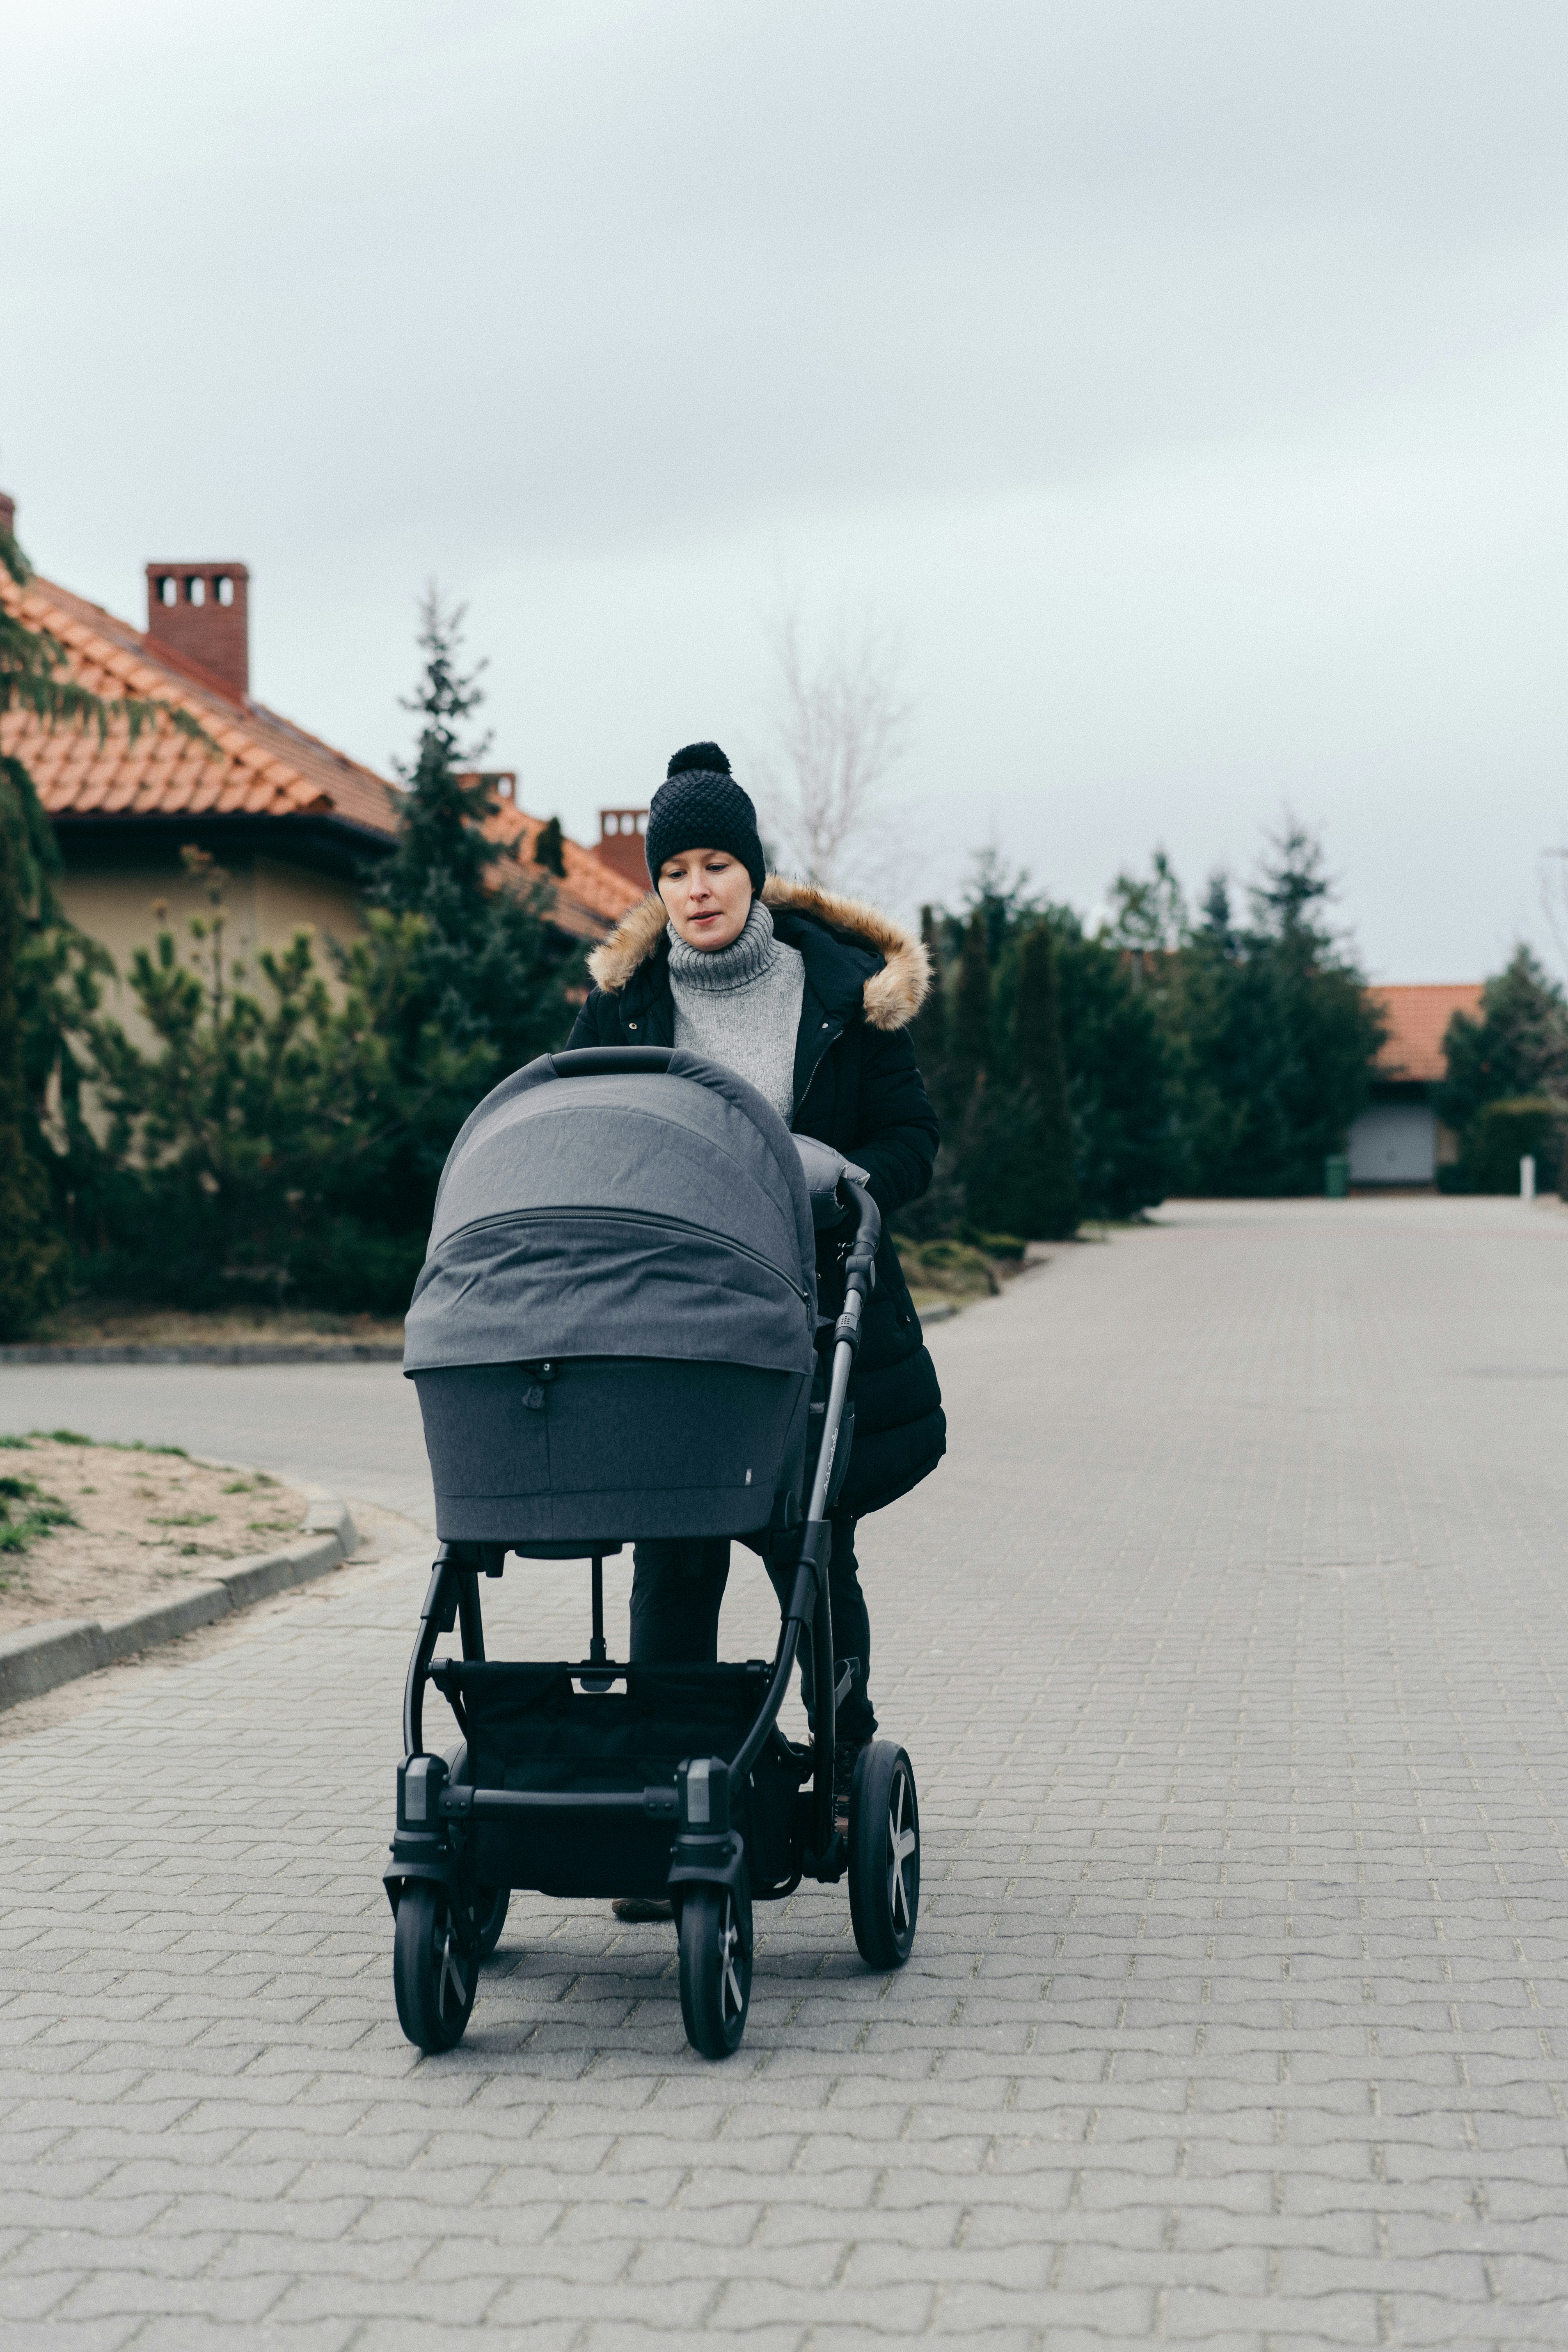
[123, 900]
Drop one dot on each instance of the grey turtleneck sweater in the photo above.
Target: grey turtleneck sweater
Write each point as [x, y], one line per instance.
[741, 1005]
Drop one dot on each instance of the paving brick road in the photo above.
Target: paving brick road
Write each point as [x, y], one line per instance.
[1230, 1645]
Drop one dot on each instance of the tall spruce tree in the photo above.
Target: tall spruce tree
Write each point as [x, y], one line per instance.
[48, 971]
[928, 1030]
[972, 1044]
[1274, 1032]
[1118, 1070]
[967, 1100]
[444, 855]
[32, 1252]
[1506, 1091]
[492, 971]
[1046, 1185]
[489, 974]
[1519, 1045]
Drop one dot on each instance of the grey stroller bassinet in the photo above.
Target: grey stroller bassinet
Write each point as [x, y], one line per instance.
[614, 1335]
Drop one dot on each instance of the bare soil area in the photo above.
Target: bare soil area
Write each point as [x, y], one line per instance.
[99, 1530]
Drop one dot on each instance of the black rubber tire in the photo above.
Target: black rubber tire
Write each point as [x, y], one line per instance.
[490, 1914]
[884, 1856]
[434, 1977]
[715, 1971]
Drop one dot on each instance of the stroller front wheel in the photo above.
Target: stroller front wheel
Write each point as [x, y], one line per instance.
[433, 1973]
[715, 1971]
[492, 1918]
[884, 1856]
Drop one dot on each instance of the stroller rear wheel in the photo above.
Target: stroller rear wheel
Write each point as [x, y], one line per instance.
[433, 1973]
[884, 1856]
[715, 1970]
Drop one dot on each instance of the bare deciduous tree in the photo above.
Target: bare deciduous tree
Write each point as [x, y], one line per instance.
[1554, 899]
[839, 724]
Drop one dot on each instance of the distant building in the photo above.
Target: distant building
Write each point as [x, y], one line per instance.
[1398, 1140]
[298, 826]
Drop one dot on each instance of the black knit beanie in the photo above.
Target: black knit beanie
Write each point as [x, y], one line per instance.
[700, 806]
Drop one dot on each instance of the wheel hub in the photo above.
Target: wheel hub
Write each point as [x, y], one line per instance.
[901, 1845]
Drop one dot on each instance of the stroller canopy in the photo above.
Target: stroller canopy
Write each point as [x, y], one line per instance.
[646, 1214]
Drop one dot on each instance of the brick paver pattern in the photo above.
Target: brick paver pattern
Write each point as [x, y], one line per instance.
[1229, 1645]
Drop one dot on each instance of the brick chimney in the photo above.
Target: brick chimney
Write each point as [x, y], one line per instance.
[200, 610]
[621, 843]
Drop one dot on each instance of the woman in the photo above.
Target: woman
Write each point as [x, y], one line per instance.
[807, 996]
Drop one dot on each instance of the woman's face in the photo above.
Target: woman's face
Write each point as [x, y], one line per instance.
[708, 895]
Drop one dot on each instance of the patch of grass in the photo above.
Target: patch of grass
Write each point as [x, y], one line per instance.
[249, 1485]
[27, 1512]
[955, 1268]
[1001, 1245]
[15, 1445]
[271, 1527]
[74, 1437]
[181, 1519]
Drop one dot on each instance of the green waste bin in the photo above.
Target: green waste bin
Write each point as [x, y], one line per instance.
[1336, 1175]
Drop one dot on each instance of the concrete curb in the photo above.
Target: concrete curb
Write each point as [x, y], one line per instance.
[240, 1352]
[40, 1657]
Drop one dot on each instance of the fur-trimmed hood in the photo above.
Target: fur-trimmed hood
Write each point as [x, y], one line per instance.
[891, 996]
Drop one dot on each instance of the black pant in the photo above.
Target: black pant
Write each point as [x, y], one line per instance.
[678, 1588]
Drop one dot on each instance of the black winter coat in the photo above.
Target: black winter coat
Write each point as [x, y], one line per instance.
[857, 1087]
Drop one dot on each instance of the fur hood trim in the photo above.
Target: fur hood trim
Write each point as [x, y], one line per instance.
[891, 996]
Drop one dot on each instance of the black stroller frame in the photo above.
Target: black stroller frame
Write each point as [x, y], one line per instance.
[747, 1820]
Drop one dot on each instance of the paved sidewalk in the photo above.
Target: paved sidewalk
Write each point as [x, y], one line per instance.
[1230, 1646]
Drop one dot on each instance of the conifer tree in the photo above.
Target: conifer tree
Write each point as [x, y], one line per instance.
[928, 1030]
[549, 849]
[1047, 1189]
[491, 972]
[443, 853]
[972, 1044]
[48, 971]
[31, 1251]
[1273, 1031]
[1517, 1046]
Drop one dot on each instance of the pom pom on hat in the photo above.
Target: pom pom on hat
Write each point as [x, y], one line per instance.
[707, 758]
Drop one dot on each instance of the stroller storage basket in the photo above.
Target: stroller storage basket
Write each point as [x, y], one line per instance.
[533, 1729]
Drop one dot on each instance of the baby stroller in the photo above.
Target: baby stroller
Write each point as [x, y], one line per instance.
[615, 1335]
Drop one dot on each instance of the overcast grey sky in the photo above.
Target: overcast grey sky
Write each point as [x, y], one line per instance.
[1185, 380]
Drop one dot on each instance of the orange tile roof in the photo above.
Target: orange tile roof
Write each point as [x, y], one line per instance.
[1418, 1018]
[589, 889]
[263, 765]
[257, 764]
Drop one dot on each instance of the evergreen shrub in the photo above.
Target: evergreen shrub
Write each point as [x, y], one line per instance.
[1503, 1133]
